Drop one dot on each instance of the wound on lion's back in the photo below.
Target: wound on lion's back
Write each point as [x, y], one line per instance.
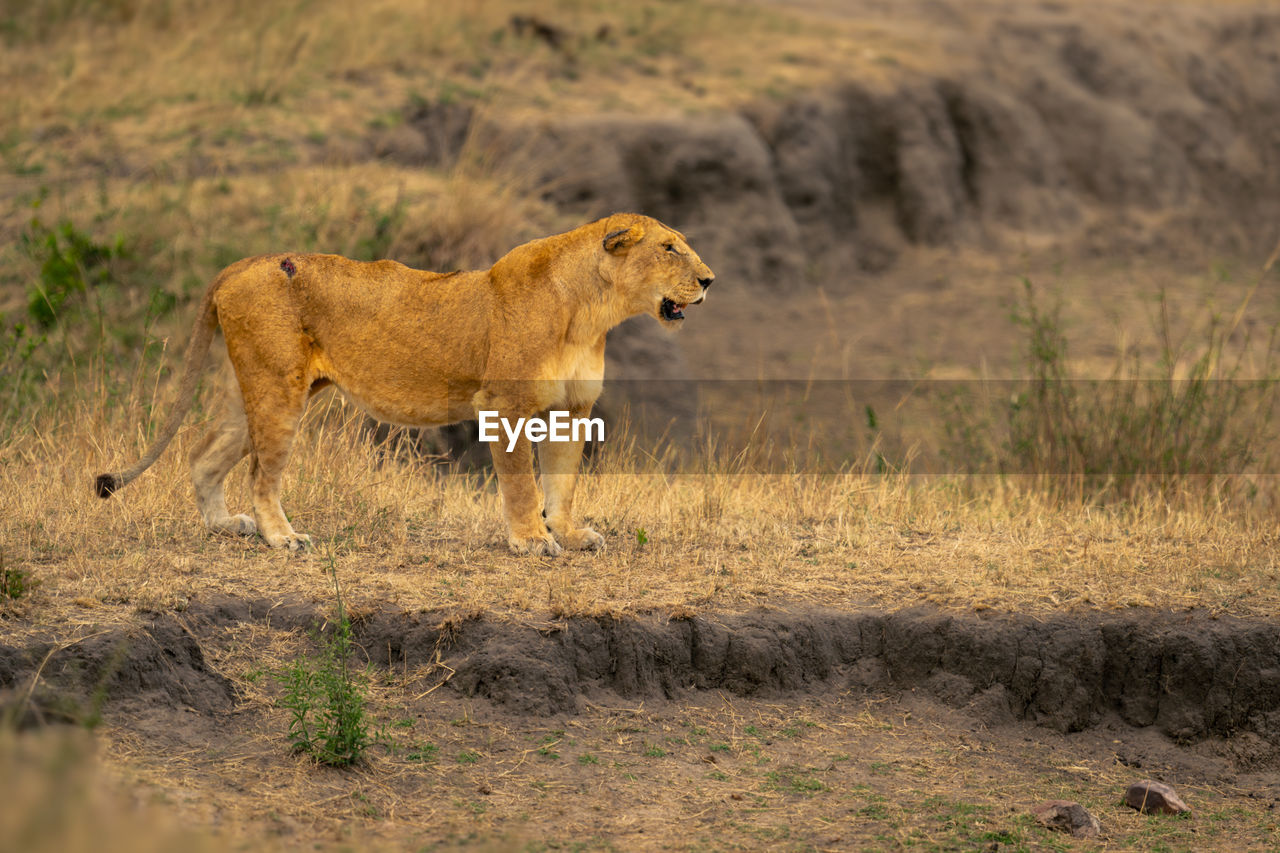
[288, 267]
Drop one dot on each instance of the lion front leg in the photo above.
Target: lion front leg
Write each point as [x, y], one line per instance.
[521, 501]
[528, 534]
[559, 462]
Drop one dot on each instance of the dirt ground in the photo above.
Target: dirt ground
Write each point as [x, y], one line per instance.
[792, 729]
[838, 770]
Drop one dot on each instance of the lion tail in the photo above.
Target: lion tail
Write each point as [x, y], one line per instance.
[193, 362]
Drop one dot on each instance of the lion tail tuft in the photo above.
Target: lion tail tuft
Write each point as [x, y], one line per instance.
[106, 484]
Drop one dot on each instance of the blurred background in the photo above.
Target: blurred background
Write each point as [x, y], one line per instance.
[949, 193]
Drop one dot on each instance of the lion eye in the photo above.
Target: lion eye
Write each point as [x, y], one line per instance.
[670, 247]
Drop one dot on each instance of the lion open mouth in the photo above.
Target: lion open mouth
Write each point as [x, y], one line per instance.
[671, 311]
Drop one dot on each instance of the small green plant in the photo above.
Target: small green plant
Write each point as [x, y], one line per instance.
[91, 717]
[386, 224]
[546, 749]
[71, 263]
[18, 346]
[363, 805]
[468, 757]
[795, 782]
[14, 583]
[326, 699]
[874, 811]
[1132, 433]
[642, 537]
[424, 752]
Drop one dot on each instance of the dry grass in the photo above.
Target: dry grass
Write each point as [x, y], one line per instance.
[276, 52]
[409, 534]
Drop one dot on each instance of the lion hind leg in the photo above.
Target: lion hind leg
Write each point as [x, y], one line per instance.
[271, 358]
[271, 434]
[226, 443]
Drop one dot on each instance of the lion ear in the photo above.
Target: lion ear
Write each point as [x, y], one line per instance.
[622, 239]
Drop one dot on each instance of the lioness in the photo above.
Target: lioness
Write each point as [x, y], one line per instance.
[424, 349]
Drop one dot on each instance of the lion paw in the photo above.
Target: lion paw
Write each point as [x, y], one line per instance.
[292, 541]
[538, 546]
[581, 539]
[235, 525]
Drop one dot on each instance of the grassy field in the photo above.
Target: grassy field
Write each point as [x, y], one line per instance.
[146, 144]
[153, 143]
[421, 537]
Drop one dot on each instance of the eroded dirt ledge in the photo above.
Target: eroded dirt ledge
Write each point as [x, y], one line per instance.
[1190, 675]
[1107, 132]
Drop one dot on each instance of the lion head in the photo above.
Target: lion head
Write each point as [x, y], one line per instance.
[654, 268]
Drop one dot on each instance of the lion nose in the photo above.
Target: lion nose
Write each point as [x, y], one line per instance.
[706, 282]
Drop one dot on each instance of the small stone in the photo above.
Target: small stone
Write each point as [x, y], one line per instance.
[1066, 816]
[1151, 797]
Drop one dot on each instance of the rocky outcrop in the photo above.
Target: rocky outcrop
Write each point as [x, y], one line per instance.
[1054, 129]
